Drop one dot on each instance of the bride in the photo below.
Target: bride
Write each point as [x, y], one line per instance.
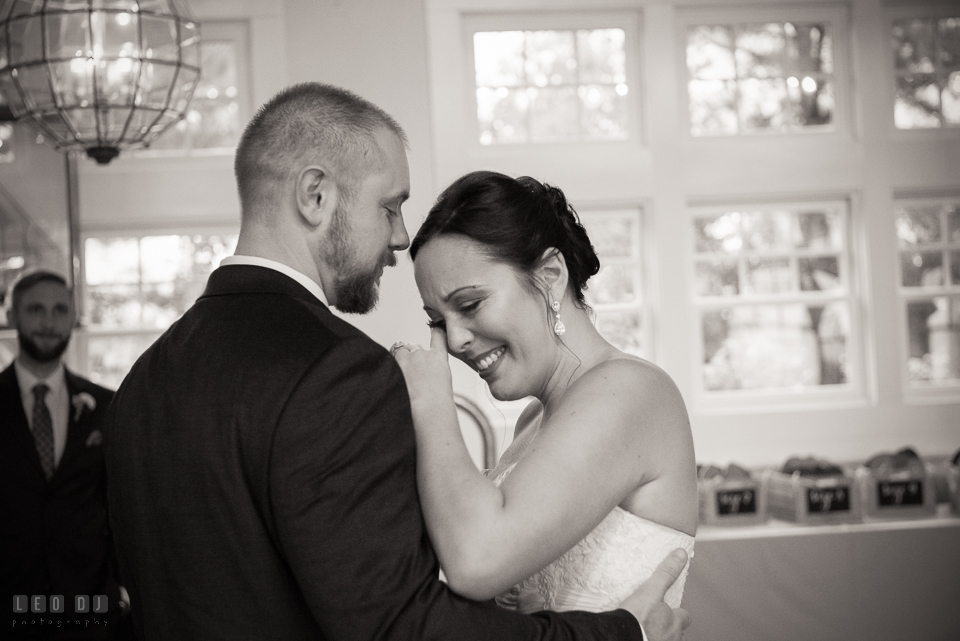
[599, 483]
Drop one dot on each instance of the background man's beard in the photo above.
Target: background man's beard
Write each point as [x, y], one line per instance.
[40, 354]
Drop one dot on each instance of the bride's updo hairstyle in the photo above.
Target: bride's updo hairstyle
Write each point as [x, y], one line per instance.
[516, 220]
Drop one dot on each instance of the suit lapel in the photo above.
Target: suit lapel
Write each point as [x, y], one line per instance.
[19, 434]
[76, 425]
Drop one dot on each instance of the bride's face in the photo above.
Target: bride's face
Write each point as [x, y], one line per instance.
[494, 322]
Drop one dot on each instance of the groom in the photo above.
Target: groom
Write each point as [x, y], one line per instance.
[261, 452]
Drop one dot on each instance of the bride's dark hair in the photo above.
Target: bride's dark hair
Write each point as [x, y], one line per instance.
[516, 220]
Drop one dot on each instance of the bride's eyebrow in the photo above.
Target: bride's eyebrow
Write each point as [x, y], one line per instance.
[447, 298]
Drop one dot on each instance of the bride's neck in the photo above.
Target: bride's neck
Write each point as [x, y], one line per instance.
[579, 349]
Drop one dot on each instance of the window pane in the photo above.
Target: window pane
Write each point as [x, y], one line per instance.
[498, 58]
[111, 357]
[604, 112]
[113, 305]
[611, 237]
[554, 114]
[782, 71]
[786, 346]
[602, 56]
[769, 230]
[164, 275]
[551, 85]
[934, 339]
[913, 44]
[922, 269]
[718, 233]
[622, 329]
[820, 274]
[820, 230]
[710, 53]
[161, 257]
[551, 58]
[614, 293]
[718, 277]
[713, 107]
[502, 115]
[112, 260]
[768, 276]
[918, 102]
[918, 225]
[213, 119]
[927, 61]
[613, 284]
[949, 43]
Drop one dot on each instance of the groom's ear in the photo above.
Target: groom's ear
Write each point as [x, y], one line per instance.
[551, 271]
[317, 195]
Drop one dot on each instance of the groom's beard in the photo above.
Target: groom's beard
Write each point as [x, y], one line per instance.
[355, 287]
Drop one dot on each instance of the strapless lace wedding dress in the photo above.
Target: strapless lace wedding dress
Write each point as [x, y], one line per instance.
[603, 569]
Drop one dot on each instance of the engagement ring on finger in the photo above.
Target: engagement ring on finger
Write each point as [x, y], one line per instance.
[396, 347]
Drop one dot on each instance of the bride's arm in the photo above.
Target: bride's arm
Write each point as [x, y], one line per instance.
[602, 442]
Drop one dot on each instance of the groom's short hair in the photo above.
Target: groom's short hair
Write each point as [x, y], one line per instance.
[308, 122]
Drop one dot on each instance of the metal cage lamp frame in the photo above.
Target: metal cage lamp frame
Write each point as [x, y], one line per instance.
[98, 75]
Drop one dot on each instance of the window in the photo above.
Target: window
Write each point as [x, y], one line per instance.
[555, 85]
[773, 287]
[6, 142]
[615, 292]
[927, 65]
[928, 232]
[760, 77]
[217, 112]
[136, 286]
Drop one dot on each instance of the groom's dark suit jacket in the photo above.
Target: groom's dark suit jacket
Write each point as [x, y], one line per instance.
[262, 484]
[54, 535]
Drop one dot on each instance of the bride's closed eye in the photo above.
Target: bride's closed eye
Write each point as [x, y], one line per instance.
[466, 309]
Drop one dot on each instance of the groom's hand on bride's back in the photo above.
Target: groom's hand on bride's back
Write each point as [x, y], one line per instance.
[660, 622]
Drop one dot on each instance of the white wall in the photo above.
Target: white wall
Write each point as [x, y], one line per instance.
[382, 50]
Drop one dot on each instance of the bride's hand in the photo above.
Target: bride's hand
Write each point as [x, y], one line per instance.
[426, 371]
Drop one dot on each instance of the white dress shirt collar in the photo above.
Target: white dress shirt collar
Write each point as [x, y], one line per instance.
[309, 284]
[56, 381]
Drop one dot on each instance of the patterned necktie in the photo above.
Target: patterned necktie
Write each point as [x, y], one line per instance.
[43, 429]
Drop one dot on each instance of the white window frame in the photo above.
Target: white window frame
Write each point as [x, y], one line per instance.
[838, 20]
[922, 393]
[559, 21]
[933, 134]
[858, 391]
[456, 141]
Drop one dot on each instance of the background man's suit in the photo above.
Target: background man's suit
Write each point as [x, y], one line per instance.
[54, 535]
[263, 484]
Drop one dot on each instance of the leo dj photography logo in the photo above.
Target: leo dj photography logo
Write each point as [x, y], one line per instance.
[38, 604]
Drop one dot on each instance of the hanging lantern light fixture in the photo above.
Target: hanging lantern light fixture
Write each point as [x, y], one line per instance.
[98, 75]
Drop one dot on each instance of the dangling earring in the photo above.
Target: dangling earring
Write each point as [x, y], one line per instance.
[558, 328]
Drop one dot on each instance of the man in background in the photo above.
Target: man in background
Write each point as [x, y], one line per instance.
[54, 534]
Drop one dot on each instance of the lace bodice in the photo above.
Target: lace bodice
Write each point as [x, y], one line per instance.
[602, 569]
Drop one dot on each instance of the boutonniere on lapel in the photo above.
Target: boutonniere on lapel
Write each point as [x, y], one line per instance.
[82, 402]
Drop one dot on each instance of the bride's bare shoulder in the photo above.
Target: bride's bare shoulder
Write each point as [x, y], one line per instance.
[630, 383]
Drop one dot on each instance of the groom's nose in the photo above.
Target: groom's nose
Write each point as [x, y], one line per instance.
[399, 239]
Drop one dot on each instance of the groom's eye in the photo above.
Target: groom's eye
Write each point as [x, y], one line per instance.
[436, 323]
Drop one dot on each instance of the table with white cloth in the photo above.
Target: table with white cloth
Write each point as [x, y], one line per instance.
[876, 581]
